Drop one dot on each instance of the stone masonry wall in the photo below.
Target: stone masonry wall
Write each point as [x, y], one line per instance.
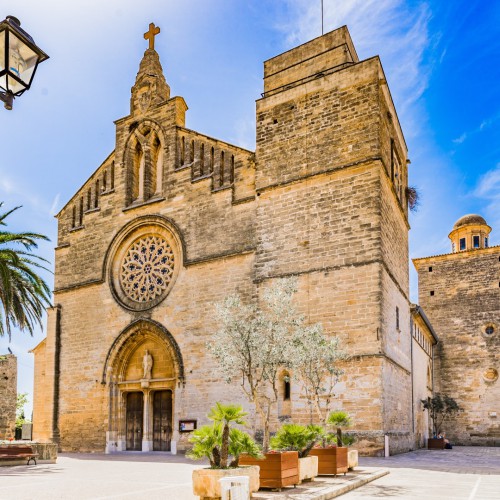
[8, 395]
[465, 298]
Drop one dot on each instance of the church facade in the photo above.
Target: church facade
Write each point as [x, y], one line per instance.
[174, 221]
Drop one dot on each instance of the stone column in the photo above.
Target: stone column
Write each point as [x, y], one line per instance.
[121, 443]
[147, 432]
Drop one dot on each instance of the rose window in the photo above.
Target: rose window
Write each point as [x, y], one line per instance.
[147, 269]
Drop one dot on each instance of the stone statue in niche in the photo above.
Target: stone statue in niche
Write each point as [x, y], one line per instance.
[147, 365]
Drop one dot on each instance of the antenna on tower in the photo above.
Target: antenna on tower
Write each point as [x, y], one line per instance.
[322, 26]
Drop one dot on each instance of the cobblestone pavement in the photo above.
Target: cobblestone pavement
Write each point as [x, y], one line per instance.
[467, 473]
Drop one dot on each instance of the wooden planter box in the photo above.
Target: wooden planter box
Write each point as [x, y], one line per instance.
[435, 444]
[331, 460]
[277, 469]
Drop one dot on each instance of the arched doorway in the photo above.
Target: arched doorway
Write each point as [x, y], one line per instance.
[143, 370]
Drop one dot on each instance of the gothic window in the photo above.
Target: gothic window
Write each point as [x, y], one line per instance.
[202, 159]
[462, 244]
[147, 268]
[144, 164]
[231, 172]
[96, 199]
[112, 176]
[89, 199]
[191, 155]
[286, 388]
[144, 266]
[80, 219]
[105, 181]
[212, 156]
[221, 169]
[73, 217]
[183, 151]
[152, 175]
[138, 173]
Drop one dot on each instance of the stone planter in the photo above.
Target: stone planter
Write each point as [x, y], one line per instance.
[277, 469]
[47, 452]
[435, 444]
[206, 483]
[352, 459]
[308, 468]
[331, 460]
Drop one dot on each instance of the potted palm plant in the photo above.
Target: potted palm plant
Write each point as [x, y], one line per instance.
[222, 445]
[299, 438]
[332, 456]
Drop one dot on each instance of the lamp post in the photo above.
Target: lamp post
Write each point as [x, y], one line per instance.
[19, 59]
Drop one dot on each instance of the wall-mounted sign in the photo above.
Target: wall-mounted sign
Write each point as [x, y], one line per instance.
[187, 425]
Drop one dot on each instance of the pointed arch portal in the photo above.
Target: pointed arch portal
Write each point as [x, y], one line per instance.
[143, 370]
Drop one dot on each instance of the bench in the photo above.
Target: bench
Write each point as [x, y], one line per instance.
[13, 452]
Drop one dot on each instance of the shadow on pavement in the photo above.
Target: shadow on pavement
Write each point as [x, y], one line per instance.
[30, 470]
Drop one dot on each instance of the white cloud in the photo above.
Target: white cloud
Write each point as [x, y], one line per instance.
[460, 139]
[488, 189]
[55, 204]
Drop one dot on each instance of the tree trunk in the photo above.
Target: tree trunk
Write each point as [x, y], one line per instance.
[339, 437]
[225, 446]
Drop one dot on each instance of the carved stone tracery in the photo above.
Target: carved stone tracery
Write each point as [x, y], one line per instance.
[147, 268]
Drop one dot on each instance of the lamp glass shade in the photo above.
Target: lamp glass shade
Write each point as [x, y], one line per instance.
[21, 64]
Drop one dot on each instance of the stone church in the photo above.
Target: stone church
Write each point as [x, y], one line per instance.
[174, 221]
[460, 292]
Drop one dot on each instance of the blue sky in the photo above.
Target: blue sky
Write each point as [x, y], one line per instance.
[441, 60]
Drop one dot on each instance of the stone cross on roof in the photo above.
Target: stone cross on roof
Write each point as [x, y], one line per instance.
[150, 35]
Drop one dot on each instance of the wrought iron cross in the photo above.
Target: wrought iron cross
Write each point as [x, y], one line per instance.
[150, 35]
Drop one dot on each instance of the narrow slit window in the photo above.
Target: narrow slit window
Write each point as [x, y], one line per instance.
[212, 156]
[73, 219]
[80, 220]
[287, 389]
[183, 151]
[397, 317]
[105, 180]
[96, 199]
[231, 172]
[89, 199]
[202, 159]
[112, 176]
[221, 169]
[191, 155]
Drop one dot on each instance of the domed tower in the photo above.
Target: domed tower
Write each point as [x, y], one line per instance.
[470, 232]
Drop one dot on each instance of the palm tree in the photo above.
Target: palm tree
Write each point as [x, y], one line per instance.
[24, 295]
[226, 415]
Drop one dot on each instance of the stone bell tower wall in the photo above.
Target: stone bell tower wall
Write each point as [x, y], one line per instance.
[327, 208]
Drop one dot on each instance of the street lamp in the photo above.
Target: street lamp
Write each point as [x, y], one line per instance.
[19, 58]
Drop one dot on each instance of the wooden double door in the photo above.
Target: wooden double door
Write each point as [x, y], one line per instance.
[161, 421]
